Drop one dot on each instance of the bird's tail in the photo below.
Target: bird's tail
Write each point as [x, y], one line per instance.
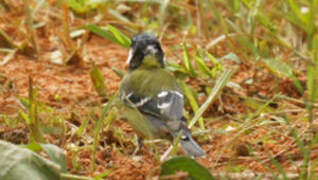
[188, 144]
[191, 147]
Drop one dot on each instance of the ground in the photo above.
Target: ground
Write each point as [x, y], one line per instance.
[241, 134]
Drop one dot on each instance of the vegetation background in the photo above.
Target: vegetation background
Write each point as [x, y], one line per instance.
[248, 68]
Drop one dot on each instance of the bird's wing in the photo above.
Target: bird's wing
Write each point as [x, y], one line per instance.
[166, 105]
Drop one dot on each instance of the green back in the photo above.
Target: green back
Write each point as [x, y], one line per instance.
[149, 79]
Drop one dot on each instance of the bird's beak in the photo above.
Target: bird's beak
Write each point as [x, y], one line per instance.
[130, 56]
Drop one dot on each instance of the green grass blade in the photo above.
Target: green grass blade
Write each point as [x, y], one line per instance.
[120, 37]
[176, 67]
[279, 167]
[219, 85]
[310, 28]
[101, 32]
[312, 72]
[162, 12]
[212, 58]
[187, 60]
[193, 102]
[118, 72]
[246, 42]
[110, 33]
[98, 81]
[82, 128]
[98, 127]
[295, 9]
[175, 144]
[315, 48]
[203, 66]
[305, 152]
[217, 65]
[312, 80]
[36, 133]
[265, 21]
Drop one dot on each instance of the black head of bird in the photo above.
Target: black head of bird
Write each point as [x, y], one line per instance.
[153, 98]
[141, 46]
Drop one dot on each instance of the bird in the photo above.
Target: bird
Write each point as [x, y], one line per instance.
[152, 96]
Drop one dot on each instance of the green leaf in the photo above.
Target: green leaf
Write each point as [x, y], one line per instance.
[101, 32]
[278, 67]
[23, 164]
[36, 147]
[281, 69]
[98, 81]
[110, 33]
[232, 56]
[121, 38]
[56, 155]
[192, 167]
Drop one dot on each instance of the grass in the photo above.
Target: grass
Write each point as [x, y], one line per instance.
[248, 70]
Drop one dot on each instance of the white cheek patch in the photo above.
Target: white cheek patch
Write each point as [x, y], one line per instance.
[130, 55]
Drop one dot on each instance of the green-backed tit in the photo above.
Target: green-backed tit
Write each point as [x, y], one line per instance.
[152, 96]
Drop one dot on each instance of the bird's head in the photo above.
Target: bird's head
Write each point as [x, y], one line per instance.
[145, 45]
